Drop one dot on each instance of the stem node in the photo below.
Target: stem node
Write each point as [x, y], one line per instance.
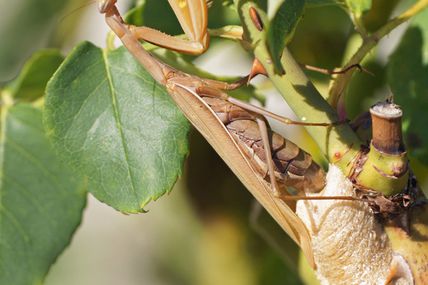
[385, 167]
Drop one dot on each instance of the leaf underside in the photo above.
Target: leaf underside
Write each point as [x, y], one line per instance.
[282, 27]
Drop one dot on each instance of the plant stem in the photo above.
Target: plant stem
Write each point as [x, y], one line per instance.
[110, 41]
[385, 168]
[386, 128]
[338, 141]
[341, 81]
[228, 32]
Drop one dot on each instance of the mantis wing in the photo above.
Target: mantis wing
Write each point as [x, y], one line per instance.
[208, 124]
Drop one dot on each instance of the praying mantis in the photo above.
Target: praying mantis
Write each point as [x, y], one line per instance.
[265, 162]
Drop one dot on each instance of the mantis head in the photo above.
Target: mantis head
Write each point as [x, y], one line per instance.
[105, 5]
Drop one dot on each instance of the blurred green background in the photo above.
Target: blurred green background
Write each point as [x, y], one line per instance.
[202, 233]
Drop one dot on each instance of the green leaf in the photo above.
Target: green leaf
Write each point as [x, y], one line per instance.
[318, 3]
[157, 15]
[41, 200]
[358, 7]
[25, 27]
[281, 29]
[135, 15]
[31, 83]
[115, 124]
[222, 13]
[261, 4]
[407, 75]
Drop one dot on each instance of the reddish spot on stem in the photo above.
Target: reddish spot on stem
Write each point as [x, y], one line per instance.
[255, 17]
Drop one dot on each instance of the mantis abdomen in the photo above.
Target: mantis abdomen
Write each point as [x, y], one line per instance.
[293, 166]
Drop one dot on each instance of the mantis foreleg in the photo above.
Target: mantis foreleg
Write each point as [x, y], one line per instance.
[170, 42]
[192, 15]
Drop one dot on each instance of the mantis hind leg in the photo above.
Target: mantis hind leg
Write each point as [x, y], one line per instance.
[264, 132]
[268, 153]
[337, 70]
[216, 93]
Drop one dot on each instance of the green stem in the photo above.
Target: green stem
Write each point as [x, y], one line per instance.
[338, 142]
[110, 41]
[341, 81]
[359, 26]
[228, 32]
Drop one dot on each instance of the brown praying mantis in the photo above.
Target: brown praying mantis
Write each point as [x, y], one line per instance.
[193, 18]
[265, 162]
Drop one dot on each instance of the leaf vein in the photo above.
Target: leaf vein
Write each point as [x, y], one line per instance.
[119, 127]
